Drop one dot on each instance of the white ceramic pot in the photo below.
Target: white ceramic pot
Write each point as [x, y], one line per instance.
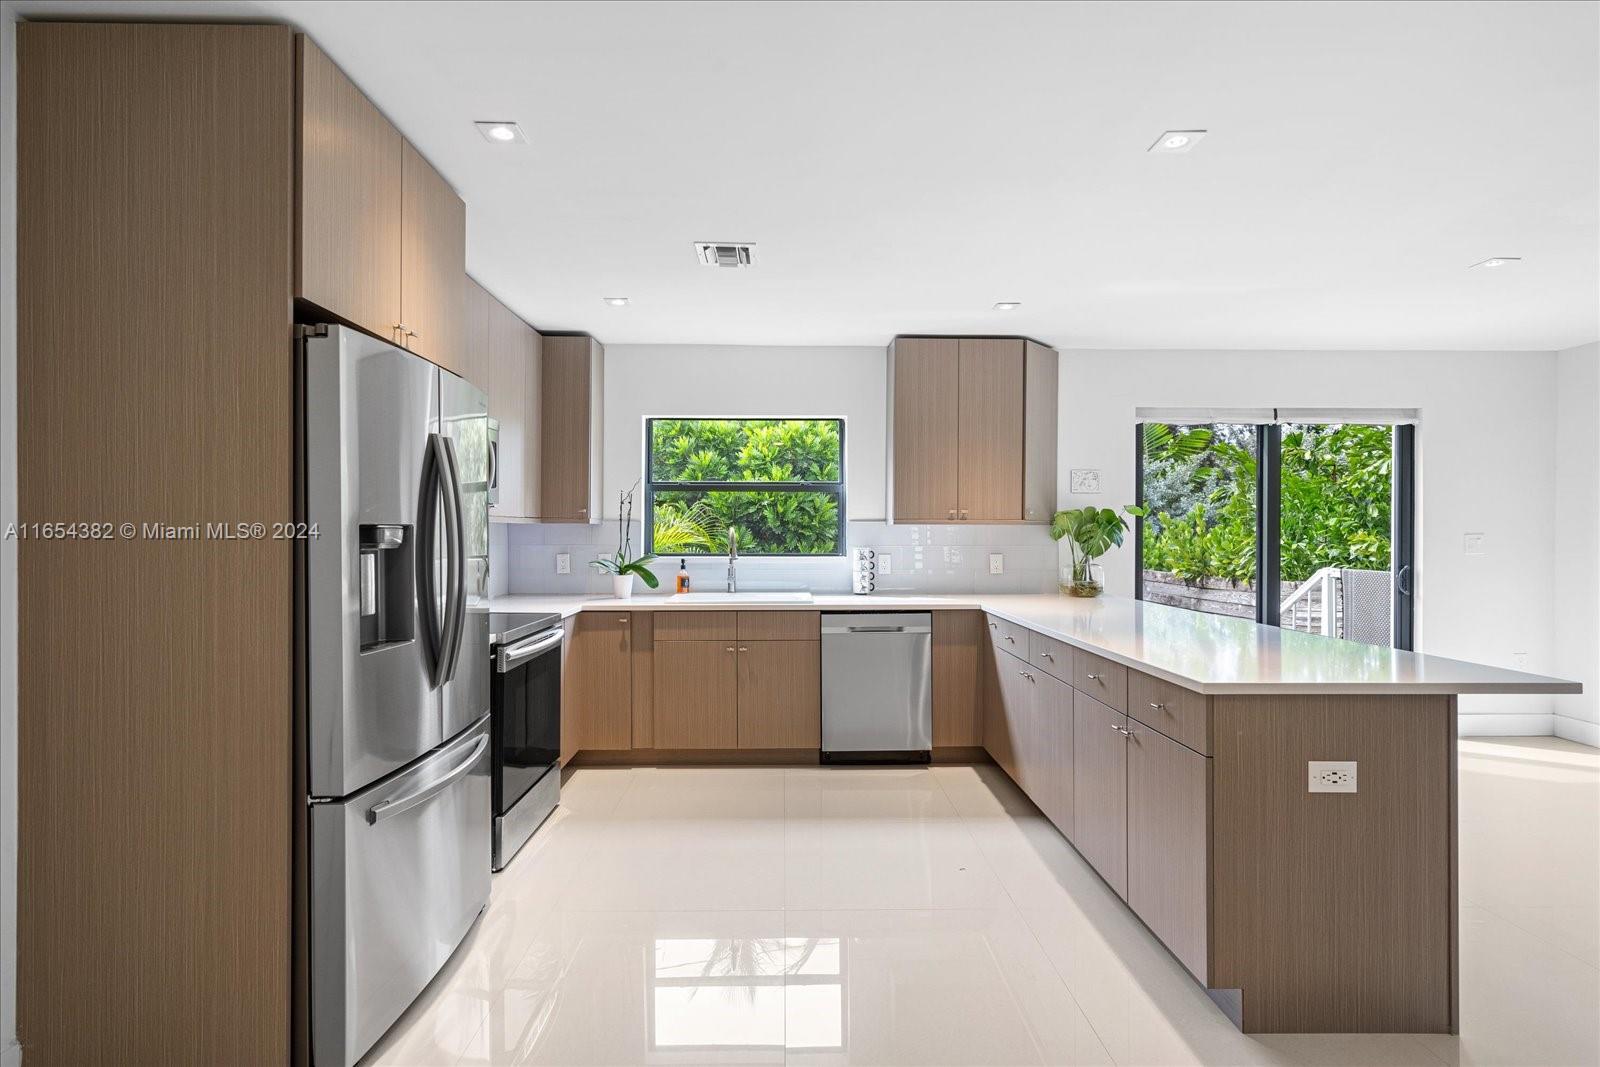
[622, 586]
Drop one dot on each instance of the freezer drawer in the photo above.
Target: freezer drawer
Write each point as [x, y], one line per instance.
[877, 692]
[399, 872]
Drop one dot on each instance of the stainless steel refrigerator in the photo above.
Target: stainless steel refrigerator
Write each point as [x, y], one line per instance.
[395, 473]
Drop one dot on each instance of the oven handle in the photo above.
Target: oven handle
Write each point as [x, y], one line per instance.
[519, 653]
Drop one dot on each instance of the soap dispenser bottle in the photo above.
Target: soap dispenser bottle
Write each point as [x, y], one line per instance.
[683, 576]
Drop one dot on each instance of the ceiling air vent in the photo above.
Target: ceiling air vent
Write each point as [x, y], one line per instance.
[725, 254]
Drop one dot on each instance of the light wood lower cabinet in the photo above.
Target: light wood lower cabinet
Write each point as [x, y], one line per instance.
[1100, 789]
[696, 694]
[599, 682]
[1002, 713]
[780, 694]
[1169, 804]
[959, 651]
[1051, 731]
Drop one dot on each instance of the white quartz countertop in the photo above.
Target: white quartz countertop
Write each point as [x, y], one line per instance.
[1210, 654]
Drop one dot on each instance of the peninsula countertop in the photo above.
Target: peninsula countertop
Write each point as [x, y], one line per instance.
[1211, 654]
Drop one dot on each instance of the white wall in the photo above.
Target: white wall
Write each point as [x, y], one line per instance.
[9, 1053]
[1485, 449]
[728, 381]
[1577, 537]
[748, 382]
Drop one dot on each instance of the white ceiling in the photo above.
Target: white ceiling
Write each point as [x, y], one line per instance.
[902, 166]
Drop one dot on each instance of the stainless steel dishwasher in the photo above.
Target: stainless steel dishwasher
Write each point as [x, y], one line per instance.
[877, 686]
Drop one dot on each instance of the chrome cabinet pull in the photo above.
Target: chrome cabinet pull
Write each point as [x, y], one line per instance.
[728, 649]
[1013, 640]
[744, 648]
[1048, 656]
[1158, 707]
[1092, 677]
[1026, 675]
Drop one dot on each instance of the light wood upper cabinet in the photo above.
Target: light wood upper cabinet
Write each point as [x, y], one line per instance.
[433, 257]
[349, 199]
[570, 428]
[1100, 789]
[972, 430]
[989, 431]
[381, 235]
[600, 680]
[1169, 805]
[1041, 375]
[475, 301]
[514, 385]
[923, 387]
[696, 694]
[780, 694]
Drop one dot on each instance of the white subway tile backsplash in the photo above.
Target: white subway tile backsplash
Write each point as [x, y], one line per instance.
[927, 559]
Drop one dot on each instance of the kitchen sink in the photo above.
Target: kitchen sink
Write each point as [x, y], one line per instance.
[741, 598]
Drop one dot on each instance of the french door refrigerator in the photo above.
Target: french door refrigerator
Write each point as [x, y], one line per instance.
[394, 480]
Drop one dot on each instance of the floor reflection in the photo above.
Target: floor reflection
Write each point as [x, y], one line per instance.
[747, 993]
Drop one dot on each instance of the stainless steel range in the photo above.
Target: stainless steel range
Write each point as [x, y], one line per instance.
[524, 725]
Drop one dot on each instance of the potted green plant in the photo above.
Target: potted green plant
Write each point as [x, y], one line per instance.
[1090, 532]
[621, 565]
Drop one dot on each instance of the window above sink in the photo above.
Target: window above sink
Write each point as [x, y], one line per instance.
[779, 482]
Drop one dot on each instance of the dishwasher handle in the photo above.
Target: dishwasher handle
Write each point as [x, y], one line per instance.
[887, 622]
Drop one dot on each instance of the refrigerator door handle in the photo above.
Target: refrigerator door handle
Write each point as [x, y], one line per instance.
[378, 812]
[455, 619]
[427, 577]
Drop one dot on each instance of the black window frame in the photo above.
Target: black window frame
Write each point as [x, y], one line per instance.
[651, 485]
[1269, 505]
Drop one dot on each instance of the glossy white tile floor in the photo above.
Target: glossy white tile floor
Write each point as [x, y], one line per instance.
[932, 916]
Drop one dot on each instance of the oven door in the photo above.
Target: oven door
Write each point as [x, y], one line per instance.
[527, 715]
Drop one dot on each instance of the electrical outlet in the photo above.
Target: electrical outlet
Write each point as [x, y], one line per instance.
[884, 564]
[1519, 659]
[1331, 776]
[1472, 544]
[997, 563]
[563, 562]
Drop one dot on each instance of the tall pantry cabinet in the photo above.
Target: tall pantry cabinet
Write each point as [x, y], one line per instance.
[184, 192]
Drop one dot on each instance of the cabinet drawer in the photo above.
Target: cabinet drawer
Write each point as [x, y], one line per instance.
[1051, 656]
[1107, 682]
[696, 625]
[1179, 713]
[780, 626]
[1008, 636]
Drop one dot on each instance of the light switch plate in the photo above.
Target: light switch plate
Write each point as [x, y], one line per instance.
[997, 563]
[1473, 544]
[1331, 776]
[885, 565]
[563, 562]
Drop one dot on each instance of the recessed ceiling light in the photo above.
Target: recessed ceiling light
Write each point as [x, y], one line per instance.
[1498, 261]
[501, 132]
[616, 301]
[1177, 141]
[1008, 305]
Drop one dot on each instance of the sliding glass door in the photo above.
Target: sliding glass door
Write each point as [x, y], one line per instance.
[1306, 525]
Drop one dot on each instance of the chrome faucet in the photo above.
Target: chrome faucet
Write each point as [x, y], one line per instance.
[733, 558]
